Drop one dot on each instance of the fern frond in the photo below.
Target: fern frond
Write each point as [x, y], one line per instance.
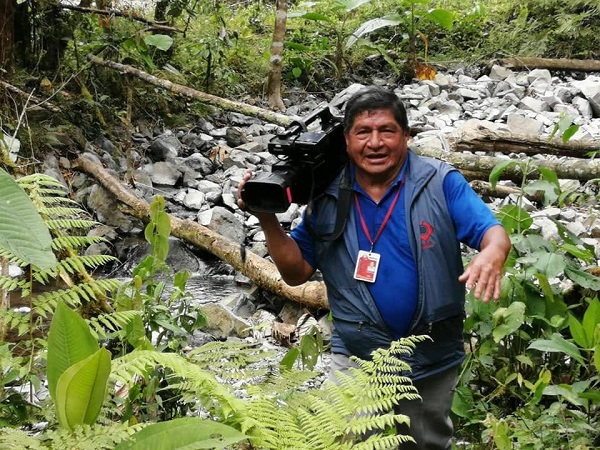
[8, 284]
[12, 438]
[112, 322]
[79, 263]
[96, 437]
[61, 211]
[66, 241]
[40, 181]
[12, 259]
[69, 224]
[340, 415]
[200, 383]
[75, 295]
[233, 361]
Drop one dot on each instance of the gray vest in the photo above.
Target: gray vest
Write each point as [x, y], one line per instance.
[358, 326]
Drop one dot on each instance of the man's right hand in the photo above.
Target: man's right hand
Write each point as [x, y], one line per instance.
[248, 175]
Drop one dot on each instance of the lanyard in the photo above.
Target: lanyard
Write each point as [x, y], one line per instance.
[385, 220]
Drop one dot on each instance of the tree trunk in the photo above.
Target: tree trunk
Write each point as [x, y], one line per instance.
[276, 60]
[568, 168]
[482, 139]
[584, 65]
[7, 36]
[185, 91]
[263, 273]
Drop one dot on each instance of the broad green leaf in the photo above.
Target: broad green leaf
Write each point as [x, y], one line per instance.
[550, 264]
[591, 321]
[545, 286]
[578, 332]
[462, 403]
[290, 358]
[566, 392]
[23, 232]
[565, 121]
[81, 390]
[313, 16]
[557, 344]
[597, 357]
[508, 320]
[549, 175]
[350, 5]
[160, 41]
[163, 225]
[569, 132]
[514, 218]
[69, 341]
[593, 395]
[581, 253]
[372, 25]
[184, 433]
[582, 278]
[544, 379]
[549, 190]
[296, 46]
[499, 169]
[442, 17]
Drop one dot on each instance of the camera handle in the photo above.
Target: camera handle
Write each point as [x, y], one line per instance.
[343, 208]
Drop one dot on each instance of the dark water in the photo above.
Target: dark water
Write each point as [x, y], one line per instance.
[211, 289]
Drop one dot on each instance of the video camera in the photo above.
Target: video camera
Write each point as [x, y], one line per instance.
[310, 159]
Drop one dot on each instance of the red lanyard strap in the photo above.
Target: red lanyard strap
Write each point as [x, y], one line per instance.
[385, 220]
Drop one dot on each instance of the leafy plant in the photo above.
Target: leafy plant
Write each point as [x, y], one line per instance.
[171, 321]
[523, 351]
[333, 16]
[410, 17]
[77, 369]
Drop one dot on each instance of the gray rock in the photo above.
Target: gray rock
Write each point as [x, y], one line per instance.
[194, 199]
[164, 147]
[224, 222]
[519, 124]
[164, 173]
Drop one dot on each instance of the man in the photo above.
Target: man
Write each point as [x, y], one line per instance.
[397, 269]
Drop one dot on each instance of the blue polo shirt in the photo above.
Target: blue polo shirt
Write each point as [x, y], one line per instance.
[395, 290]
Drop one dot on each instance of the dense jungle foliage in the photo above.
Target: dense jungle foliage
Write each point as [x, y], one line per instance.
[112, 359]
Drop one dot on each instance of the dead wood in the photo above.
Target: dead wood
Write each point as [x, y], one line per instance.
[185, 91]
[37, 102]
[584, 65]
[485, 189]
[128, 14]
[567, 168]
[482, 139]
[263, 273]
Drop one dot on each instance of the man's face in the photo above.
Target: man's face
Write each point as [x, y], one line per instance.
[377, 145]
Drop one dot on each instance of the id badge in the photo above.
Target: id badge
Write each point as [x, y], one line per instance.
[366, 266]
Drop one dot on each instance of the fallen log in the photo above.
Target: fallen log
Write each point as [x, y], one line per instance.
[482, 139]
[484, 189]
[584, 65]
[227, 105]
[128, 14]
[263, 273]
[37, 102]
[566, 168]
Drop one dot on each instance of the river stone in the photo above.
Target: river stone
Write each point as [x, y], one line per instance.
[519, 124]
[164, 147]
[107, 212]
[164, 173]
[222, 324]
[224, 222]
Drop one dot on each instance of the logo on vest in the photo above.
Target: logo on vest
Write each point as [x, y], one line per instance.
[426, 232]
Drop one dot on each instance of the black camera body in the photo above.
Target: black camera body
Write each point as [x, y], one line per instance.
[310, 159]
